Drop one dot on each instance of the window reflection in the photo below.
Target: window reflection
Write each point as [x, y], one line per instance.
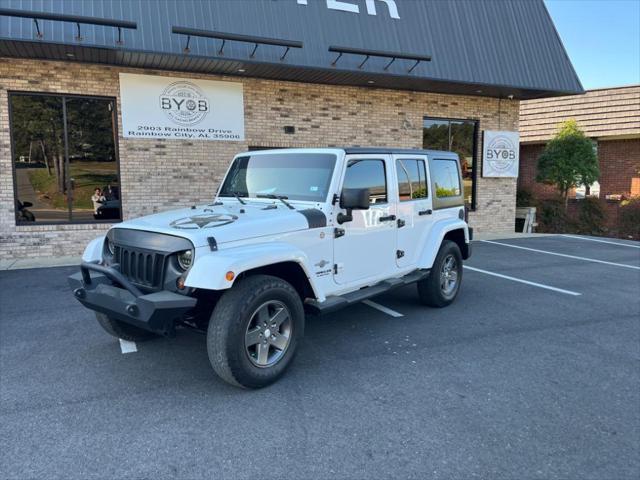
[52, 186]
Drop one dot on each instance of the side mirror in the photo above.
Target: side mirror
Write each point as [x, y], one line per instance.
[353, 199]
[27, 204]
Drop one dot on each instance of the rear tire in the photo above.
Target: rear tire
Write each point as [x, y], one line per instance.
[123, 330]
[254, 331]
[442, 285]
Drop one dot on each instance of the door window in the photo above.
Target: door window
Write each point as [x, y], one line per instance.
[412, 179]
[371, 174]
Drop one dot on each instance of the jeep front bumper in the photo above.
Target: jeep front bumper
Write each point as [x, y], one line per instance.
[106, 290]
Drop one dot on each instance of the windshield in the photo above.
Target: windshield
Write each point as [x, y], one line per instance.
[296, 176]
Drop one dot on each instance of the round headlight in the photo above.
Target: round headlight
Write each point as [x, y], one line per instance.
[110, 246]
[185, 259]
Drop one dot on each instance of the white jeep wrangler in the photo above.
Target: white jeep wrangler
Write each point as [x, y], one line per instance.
[290, 232]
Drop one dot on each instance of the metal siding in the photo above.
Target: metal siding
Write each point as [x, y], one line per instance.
[488, 42]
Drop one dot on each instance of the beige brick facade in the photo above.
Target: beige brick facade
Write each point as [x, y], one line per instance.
[162, 174]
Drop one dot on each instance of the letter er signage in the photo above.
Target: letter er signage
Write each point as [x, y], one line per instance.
[154, 106]
[500, 154]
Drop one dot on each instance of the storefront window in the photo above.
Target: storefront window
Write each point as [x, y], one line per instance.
[457, 136]
[65, 159]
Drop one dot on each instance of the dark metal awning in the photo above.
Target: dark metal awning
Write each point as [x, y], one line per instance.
[314, 65]
[418, 47]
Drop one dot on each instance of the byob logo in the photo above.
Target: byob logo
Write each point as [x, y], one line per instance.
[184, 103]
[501, 153]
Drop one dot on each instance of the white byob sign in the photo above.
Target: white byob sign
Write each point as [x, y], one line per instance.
[181, 108]
[500, 154]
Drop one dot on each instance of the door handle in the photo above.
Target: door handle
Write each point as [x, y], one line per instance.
[389, 218]
[425, 212]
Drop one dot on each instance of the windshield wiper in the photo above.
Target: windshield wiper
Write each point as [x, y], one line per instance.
[282, 198]
[237, 195]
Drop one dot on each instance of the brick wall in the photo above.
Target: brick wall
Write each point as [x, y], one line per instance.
[163, 174]
[619, 162]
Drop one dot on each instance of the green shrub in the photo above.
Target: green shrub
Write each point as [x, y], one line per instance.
[524, 198]
[591, 217]
[629, 219]
[552, 216]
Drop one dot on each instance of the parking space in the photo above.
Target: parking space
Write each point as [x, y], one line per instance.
[511, 381]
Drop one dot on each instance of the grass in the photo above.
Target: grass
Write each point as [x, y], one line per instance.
[87, 177]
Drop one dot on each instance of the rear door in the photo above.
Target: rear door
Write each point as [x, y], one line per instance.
[366, 248]
[415, 209]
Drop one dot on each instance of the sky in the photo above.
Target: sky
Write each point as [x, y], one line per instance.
[602, 38]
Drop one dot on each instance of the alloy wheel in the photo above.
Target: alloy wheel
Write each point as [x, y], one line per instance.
[268, 334]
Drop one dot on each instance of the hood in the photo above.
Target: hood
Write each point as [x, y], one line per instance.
[228, 223]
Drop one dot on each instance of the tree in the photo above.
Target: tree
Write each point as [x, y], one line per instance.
[568, 160]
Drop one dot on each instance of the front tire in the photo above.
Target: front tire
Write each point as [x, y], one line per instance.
[442, 285]
[123, 330]
[254, 331]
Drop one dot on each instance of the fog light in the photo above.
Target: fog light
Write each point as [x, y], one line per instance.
[230, 276]
[180, 283]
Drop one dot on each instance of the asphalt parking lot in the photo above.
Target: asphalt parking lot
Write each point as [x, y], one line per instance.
[515, 380]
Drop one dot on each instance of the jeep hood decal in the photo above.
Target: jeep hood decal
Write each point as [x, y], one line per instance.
[206, 220]
[226, 223]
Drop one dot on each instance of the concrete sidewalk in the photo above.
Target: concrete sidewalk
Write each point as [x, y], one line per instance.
[70, 260]
[44, 262]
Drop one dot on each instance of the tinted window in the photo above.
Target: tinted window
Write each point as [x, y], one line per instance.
[368, 174]
[304, 176]
[64, 179]
[412, 179]
[456, 136]
[445, 177]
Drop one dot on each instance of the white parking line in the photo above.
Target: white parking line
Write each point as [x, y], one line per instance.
[519, 280]
[128, 347]
[382, 308]
[601, 241]
[563, 255]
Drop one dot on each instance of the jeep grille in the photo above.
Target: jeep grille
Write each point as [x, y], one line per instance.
[141, 267]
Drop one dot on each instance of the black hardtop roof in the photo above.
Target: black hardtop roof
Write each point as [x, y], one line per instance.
[391, 151]
[352, 151]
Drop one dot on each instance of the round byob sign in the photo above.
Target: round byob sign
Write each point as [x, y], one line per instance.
[500, 154]
[184, 103]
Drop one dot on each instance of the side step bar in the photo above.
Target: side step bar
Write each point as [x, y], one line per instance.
[335, 302]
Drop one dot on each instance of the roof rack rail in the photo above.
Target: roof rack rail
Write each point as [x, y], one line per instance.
[58, 17]
[236, 37]
[378, 53]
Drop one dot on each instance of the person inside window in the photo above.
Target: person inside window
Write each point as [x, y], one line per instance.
[98, 199]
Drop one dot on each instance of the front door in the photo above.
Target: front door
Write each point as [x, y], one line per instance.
[367, 248]
[415, 215]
